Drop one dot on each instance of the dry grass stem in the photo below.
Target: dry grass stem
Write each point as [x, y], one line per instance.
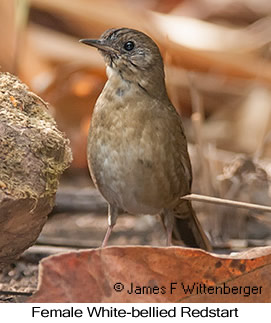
[226, 202]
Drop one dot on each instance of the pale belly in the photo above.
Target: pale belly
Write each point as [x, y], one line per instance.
[134, 175]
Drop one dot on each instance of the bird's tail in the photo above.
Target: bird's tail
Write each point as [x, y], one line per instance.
[187, 228]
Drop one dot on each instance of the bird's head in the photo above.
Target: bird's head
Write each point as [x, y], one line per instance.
[131, 53]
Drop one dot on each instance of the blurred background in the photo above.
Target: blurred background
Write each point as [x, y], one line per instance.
[218, 74]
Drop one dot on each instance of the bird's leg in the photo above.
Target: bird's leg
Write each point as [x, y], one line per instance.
[168, 220]
[169, 236]
[107, 235]
[169, 226]
[112, 219]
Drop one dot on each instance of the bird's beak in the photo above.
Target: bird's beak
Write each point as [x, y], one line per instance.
[100, 44]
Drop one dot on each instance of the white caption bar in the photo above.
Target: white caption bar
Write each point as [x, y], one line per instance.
[136, 312]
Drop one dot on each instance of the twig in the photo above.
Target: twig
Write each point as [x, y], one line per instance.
[15, 293]
[62, 242]
[226, 202]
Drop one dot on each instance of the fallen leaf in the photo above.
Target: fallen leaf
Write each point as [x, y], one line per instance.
[156, 275]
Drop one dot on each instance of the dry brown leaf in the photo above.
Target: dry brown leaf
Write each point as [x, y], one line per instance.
[90, 276]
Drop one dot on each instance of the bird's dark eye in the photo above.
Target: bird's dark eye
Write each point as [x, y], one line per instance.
[129, 45]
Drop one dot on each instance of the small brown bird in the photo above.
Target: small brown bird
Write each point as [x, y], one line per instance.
[137, 149]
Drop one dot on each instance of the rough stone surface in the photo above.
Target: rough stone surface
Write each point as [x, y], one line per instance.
[33, 154]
